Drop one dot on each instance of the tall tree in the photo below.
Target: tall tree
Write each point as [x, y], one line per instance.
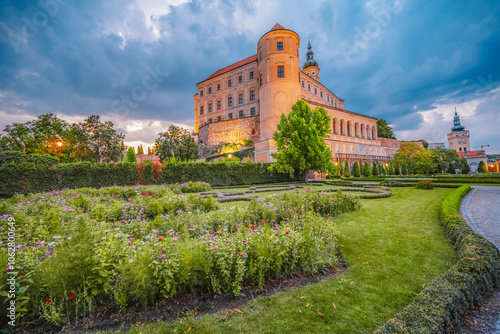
[414, 157]
[366, 170]
[176, 141]
[356, 172]
[482, 167]
[347, 171]
[300, 140]
[384, 130]
[97, 140]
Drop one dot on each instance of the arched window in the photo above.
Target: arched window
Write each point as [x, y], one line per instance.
[342, 127]
[362, 127]
[356, 130]
[334, 129]
[349, 128]
[368, 132]
[374, 136]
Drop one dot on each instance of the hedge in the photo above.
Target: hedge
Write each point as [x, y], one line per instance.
[224, 174]
[22, 158]
[442, 306]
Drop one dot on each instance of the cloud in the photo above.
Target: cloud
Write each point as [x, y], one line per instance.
[411, 63]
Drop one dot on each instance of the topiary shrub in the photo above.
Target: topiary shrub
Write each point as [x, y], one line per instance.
[366, 170]
[424, 184]
[356, 170]
[347, 172]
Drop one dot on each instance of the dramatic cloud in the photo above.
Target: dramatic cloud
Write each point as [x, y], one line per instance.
[136, 62]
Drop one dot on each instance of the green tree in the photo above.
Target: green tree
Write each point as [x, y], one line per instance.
[424, 143]
[149, 150]
[300, 140]
[355, 170]
[391, 169]
[97, 141]
[375, 169]
[384, 170]
[131, 156]
[176, 141]
[463, 166]
[347, 172]
[482, 167]
[366, 170]
[445, 160]
[384, 130]
[414, 158]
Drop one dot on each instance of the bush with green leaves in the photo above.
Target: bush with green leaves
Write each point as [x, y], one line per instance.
[347, 170]
[115, 247]
[424, 184]
[356, 171]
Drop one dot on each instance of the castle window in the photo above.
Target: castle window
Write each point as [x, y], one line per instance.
[218, 105]
[281, 71]
[252, 95]
[260, 55]
[230, 115]
[209, 90]
[251, 75]
[302, 84]
[230, 101]
[240, 79]
[460, 149]
[315, 91]
[279, 46]
[328, 98]
[210, 107]
[334, 130]
[260, 79]
[201, 110]
[229, 83]
[373, 133]
[219, 118]
[209, 120]
[321, 94]
[201, 93]
[309, 87]
[348, 129]
[240, 98]
[465, 149]
[218, 86]
[252, 111]
[241, 115]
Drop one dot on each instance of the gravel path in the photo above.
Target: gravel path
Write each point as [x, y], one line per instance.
[481, 210]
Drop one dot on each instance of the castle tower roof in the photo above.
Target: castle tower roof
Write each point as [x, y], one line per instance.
[456, 123]
[310, 57]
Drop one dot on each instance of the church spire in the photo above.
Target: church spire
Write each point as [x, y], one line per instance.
[310, 57]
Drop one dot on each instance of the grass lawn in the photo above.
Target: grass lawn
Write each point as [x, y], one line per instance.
[392, 248]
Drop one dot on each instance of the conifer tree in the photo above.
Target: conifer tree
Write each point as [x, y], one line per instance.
[482, 168]
[366, 170]
[347, 172]
[130, 157]
[375, 169]
[404, 171]
[356, 170]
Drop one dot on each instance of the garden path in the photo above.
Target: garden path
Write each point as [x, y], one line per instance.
[481, 210]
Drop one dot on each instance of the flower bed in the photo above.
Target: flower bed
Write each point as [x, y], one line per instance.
[121, 246]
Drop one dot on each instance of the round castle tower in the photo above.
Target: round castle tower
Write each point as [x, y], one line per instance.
[278, 80]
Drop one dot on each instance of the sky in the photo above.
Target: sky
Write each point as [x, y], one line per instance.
[137, 62]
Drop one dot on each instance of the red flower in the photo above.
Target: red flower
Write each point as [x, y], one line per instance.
[287, 232]
[62, 296]
[72, 296]
[48, 300]
[160, 238]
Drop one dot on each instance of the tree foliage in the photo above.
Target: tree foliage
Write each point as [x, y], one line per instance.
[366, 170]
[175, 142]
[414, 158]
[375, 169]
[131, 156]
[97, 141]
[482, 167]
[356, 172]
[384, 130]
[300, 140]
[347, 172]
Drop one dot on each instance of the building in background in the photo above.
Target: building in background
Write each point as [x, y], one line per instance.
[245, 100]
[436, 145]
[458, 140]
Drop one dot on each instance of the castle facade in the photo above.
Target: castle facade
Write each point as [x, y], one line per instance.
[245, 100]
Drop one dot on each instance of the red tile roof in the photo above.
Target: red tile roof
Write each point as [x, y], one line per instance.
[232, 67]
[277, 26]
[471, 153]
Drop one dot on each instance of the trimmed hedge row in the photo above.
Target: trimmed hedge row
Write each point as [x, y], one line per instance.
[442, 306]
[224, 174]
[29, 173]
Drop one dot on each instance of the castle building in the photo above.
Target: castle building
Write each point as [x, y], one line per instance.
[458, 140]
[245, 100]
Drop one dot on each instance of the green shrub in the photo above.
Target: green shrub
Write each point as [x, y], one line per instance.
[356, 170]
[366, 170]
[375, 169]
[424, 184]
[347, 172]
[442, 306]
[482, 167]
